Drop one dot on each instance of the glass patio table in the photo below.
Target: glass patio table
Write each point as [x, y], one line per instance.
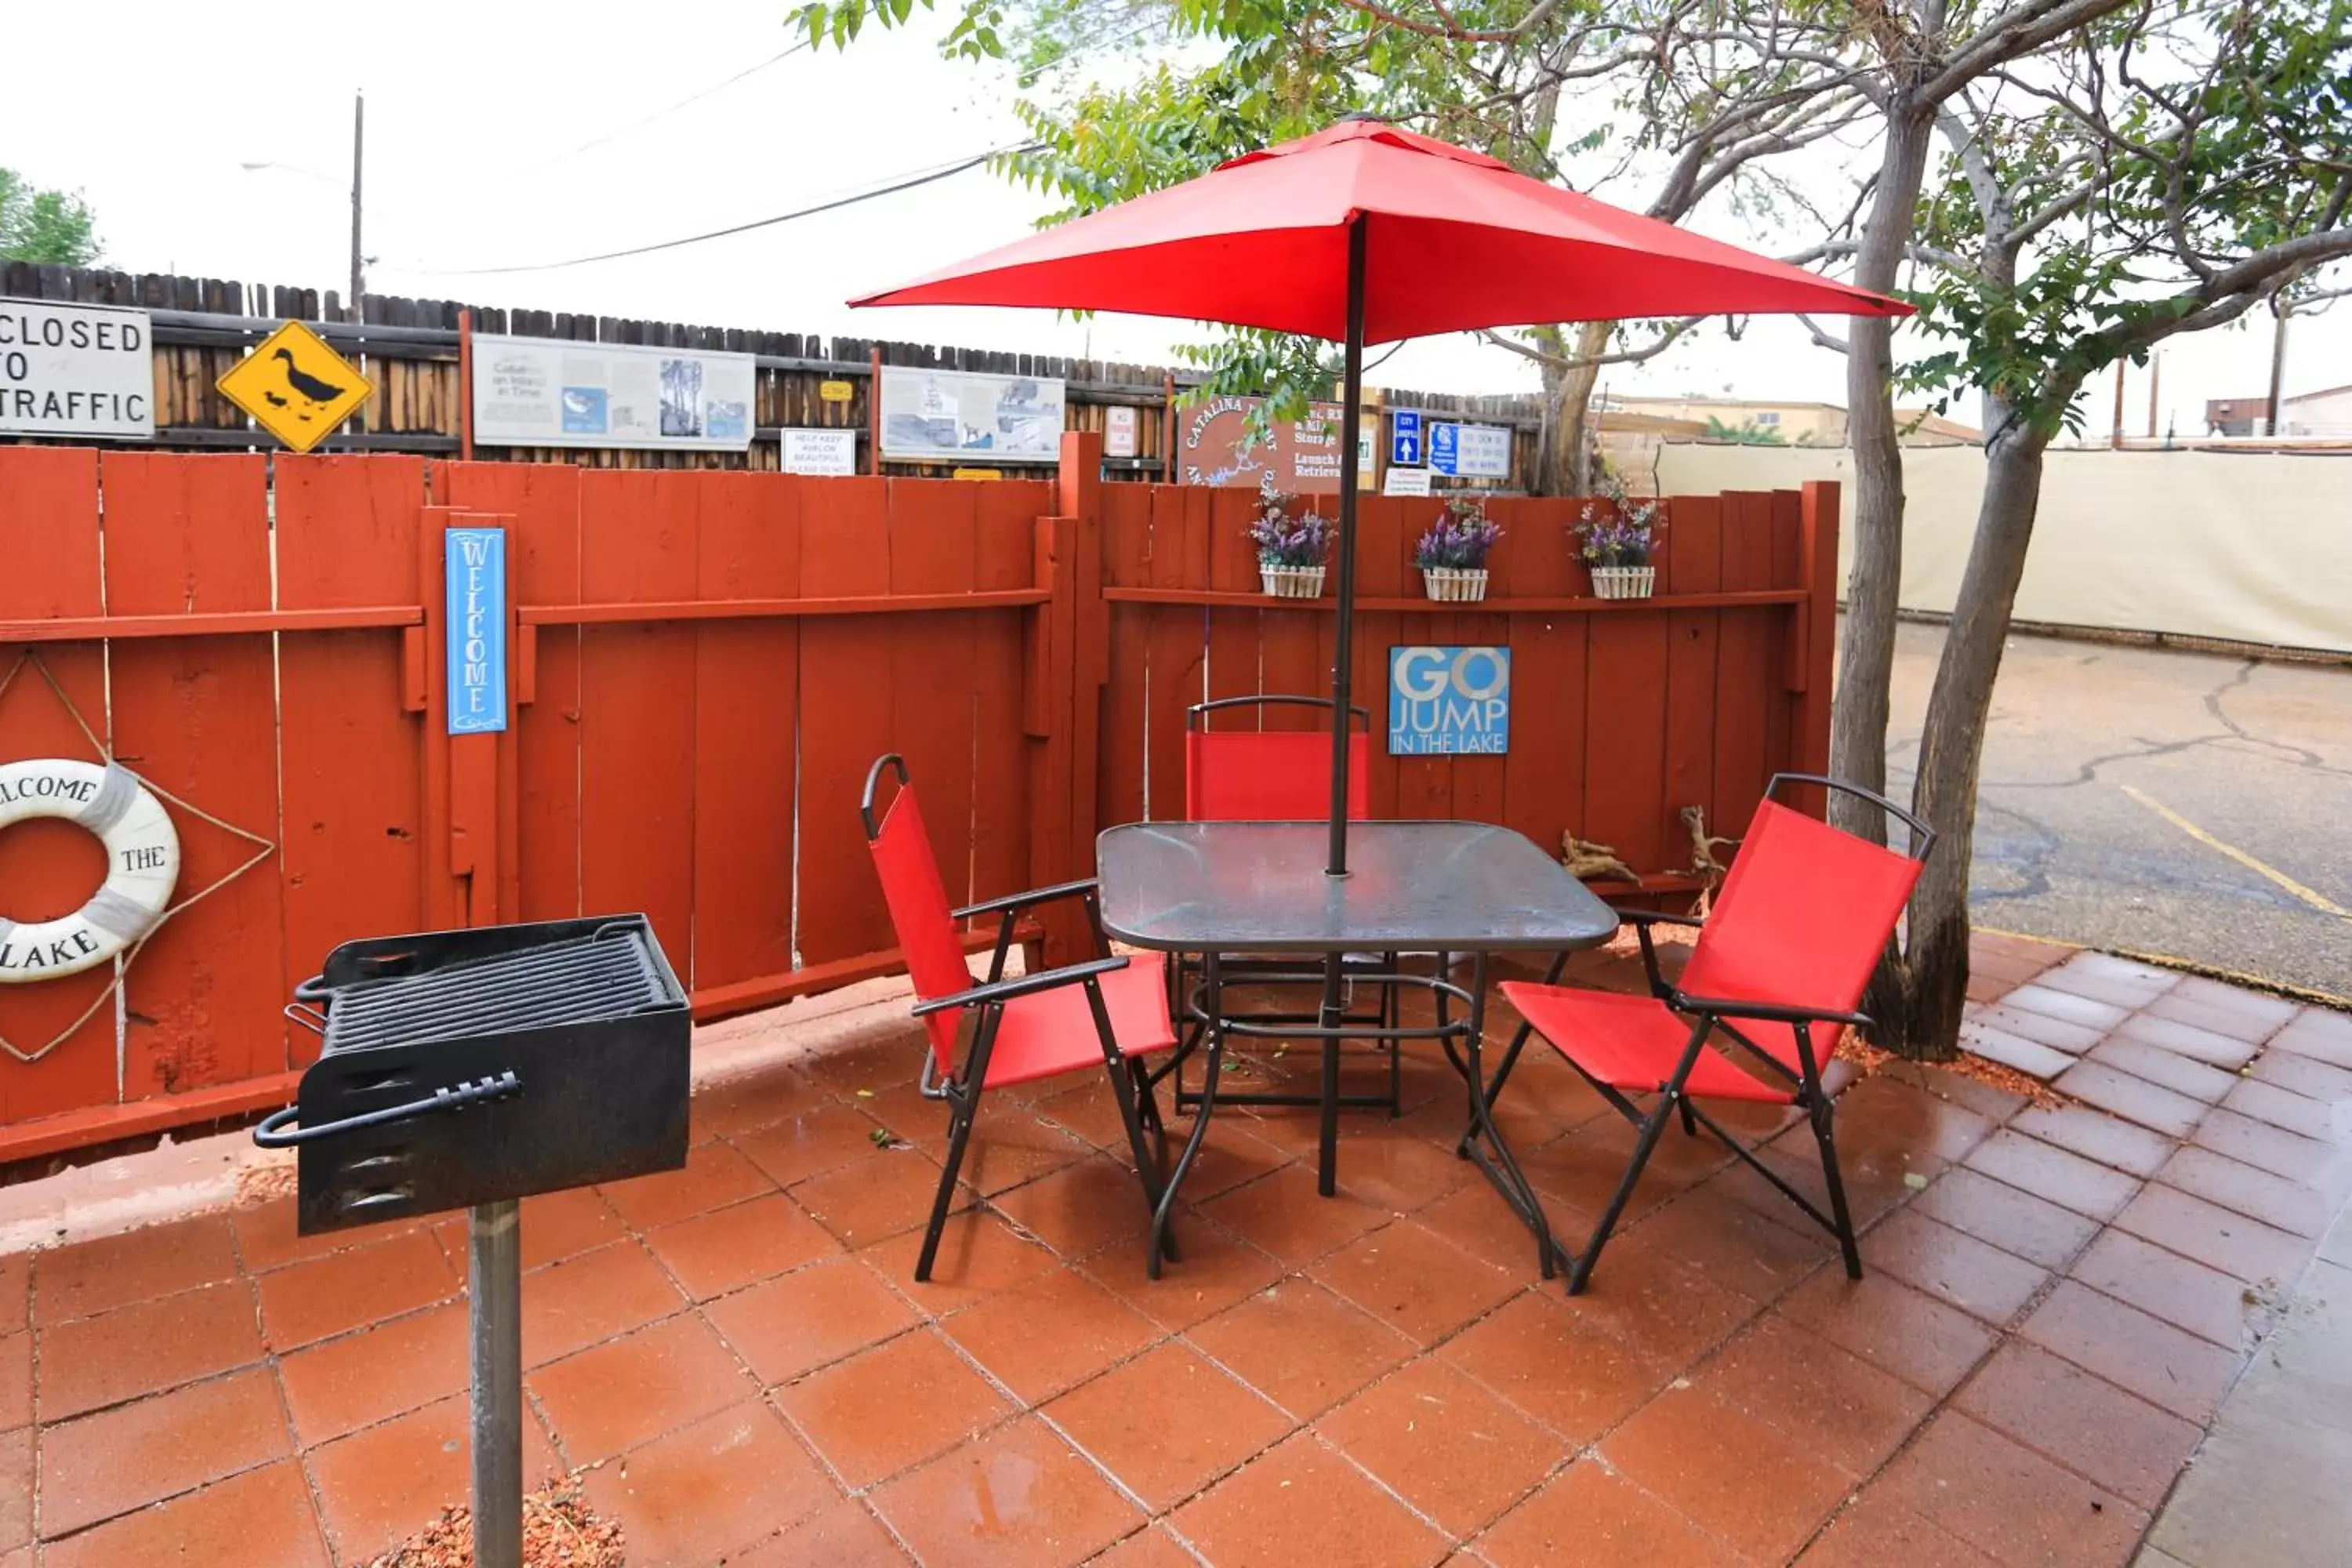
[1260, 888]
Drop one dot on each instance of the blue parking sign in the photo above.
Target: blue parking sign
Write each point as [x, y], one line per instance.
[1444, 446]
[1405, 440]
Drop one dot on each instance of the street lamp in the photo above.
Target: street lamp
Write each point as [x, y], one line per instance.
[359, 126]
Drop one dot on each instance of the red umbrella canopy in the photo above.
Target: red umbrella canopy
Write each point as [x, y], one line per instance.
[1454, 240]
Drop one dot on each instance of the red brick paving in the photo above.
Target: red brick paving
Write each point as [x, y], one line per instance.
[739, 1360]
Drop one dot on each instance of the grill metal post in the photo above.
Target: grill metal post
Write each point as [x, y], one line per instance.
[494, 1242]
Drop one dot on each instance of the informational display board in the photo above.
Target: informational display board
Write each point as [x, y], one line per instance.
[1405, 482]
[545, 392]
[76, 370]
[1449, 701]
[820, 452]
[965, 416]
[1301, 456]
[1471, 451]
[475, 563]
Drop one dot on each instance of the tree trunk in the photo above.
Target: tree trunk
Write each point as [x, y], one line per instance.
[1951, 743]
[1561, 464]
[1866, 661]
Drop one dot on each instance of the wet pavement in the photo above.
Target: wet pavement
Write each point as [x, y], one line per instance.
[736, 1364]
[2179, 804]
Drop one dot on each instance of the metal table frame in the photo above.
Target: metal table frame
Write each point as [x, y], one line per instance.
[1446, 887]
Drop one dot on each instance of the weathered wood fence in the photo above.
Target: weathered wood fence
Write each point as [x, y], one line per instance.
[409, 349]
[703, 664]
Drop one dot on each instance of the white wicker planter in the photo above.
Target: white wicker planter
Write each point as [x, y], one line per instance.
[1292, 581]
[1454, 583]
[1624, 581]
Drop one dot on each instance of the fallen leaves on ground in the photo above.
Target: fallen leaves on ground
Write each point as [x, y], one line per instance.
[558, 1532]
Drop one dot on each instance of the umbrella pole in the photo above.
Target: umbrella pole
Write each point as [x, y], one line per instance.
[1343, 668]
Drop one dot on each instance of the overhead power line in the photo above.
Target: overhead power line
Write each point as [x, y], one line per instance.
[660, 114]
[906, 183]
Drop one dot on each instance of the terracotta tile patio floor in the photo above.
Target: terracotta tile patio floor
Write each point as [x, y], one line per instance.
[736, 1359]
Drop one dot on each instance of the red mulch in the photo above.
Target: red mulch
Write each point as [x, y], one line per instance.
[558, 1532]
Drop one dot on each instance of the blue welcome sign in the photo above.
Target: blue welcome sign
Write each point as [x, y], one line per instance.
[474, 562]
[1449, 701]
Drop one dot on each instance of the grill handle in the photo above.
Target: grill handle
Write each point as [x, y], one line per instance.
[310, 1017]
[273, 1132]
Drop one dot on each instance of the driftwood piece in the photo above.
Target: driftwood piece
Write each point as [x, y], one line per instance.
[1584, 859]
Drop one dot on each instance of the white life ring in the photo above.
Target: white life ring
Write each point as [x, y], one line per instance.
[142, 862]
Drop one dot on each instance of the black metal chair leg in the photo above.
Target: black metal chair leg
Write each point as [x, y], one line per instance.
[1494, 1085]
[1392, 1017]
[1164, 1234]
[1824, 1136]
[959, 1120]
[1690, 1122]
[1580, 1272]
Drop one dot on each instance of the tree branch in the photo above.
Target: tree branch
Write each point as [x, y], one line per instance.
[1649, 351]
[1824, 340]
[2019, 30]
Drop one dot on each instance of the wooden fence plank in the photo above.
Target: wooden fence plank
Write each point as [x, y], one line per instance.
[1179, 645]
[1004, 556]
[1745, 675]
[1694, 543]
[538, 506]
[1127, 544]
[638, 533]
[933, 696]
[199, 717]
[846, 718]
[746, 721]
[354, 851]
[50, 867]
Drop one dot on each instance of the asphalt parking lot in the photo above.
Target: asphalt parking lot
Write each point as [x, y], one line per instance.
[2179, 803]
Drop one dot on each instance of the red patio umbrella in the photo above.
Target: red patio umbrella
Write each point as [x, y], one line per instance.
[1365, 233]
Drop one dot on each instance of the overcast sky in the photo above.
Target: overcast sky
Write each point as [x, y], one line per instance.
[480, 122]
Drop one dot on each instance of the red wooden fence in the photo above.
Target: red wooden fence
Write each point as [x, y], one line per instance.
[703, 666]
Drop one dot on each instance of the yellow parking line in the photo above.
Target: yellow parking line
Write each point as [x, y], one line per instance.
[2323, 905]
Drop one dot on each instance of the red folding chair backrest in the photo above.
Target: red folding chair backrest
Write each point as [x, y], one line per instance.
[1271, 775]
[919, 914]
[1800, 921]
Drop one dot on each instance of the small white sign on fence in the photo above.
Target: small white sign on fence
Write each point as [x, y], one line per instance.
[76, 370]
[832, 452]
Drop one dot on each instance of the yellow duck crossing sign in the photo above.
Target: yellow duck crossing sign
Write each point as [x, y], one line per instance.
[295, 387]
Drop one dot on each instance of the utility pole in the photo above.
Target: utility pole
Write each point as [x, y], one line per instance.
[2154, 374]
[359, 129]
[2116, 438]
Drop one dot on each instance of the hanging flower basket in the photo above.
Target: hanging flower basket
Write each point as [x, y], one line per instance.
[1624, 581]
[1454, 583]
[1292, 581]
[1291, 551]
[1619, 542]
[1452, 555]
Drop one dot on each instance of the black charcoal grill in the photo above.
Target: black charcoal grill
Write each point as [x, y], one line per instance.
[469, 1067]
[470, 1070]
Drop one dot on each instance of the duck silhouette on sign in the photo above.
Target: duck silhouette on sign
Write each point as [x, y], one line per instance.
[309, 386]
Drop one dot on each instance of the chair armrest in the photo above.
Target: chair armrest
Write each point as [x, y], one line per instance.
[1021, 985]
[1770, 1011]
[1013, 902]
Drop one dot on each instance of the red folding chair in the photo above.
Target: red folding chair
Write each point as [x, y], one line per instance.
[1800, 922]
[1277, 775]
[1109, 1011]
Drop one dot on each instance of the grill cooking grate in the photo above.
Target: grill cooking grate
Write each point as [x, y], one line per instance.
[581, 980]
